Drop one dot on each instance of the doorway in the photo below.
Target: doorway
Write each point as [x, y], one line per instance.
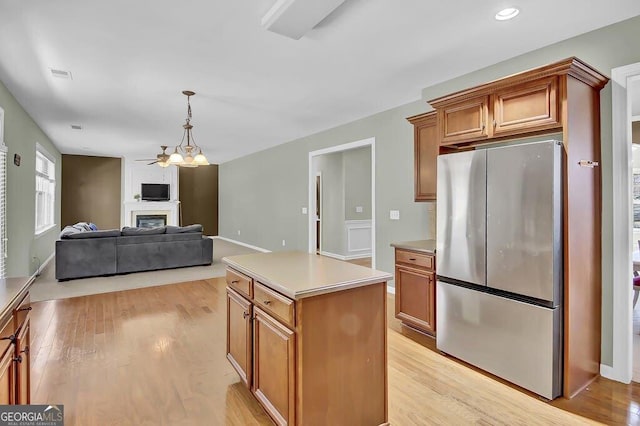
[342, 201]
[623, 80]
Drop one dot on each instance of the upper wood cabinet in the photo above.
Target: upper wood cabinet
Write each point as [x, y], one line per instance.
[530, 106]
[425, 140]
[464, 121]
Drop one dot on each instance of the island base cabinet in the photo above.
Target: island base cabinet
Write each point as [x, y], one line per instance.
[274, 367]
[239, 335]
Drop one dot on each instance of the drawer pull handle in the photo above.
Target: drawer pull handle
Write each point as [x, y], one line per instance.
[28, 308]
[25, 351]
[18, 358]
[12, 338]
[235, 281]
[267, 302]
[245, 315]
[413, 259]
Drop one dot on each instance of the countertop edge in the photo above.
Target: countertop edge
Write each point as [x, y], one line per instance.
[8, 308]
[405, 246]
[346, 285]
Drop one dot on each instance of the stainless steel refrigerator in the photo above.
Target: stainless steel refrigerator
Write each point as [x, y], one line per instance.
[499, 262]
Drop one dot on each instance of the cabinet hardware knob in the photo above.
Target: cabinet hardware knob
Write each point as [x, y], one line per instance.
[588, 163]
[25, 351]
[495, 123]
[245, 315]
[267, 302]
[28, 308]
[235, 282]
[18, 358]
[482, 126]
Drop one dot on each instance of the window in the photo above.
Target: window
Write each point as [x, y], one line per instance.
[45, 190]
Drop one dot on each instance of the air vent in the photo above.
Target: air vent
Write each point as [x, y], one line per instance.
[76, 127]
[61, 73]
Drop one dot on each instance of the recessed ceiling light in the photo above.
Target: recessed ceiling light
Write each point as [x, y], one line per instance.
[76, 127]
[508, 13]
[61, 73]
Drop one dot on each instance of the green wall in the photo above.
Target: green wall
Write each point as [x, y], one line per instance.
[20, 136]
[357, 183]
[277, 178]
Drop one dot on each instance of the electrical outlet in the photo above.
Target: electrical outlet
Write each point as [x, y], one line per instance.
[359, 209]
[284, 243]
[394, 214]
[238, 232]
[304, 210]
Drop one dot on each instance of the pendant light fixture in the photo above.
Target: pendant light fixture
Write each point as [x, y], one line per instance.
[184, 155]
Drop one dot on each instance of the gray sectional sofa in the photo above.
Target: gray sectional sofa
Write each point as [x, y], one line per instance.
[81, 254]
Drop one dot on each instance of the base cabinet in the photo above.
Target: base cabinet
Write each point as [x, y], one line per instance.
[415, 290]
[7, 377]
[274, 367]
[15, 357]
[23, 364]
[239, 351]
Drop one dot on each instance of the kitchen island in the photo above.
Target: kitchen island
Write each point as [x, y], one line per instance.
[307, 335]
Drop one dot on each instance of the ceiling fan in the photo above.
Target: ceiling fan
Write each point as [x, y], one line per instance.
[161, 159]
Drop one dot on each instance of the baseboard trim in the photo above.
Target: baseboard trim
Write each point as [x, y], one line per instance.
[41, 267]
[240, 243]
[333, 255]
[613, 374]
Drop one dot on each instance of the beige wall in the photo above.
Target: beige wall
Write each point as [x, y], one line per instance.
[91, 188]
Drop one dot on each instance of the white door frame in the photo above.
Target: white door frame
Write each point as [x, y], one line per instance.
[622, 217]
[318, 218]
[312, 184]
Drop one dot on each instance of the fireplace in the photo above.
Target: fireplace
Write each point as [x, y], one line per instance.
[150, 220]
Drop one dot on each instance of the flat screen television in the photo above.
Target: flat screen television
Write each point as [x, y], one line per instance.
[155, 191]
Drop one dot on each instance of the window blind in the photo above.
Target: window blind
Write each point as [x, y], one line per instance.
[3, 211]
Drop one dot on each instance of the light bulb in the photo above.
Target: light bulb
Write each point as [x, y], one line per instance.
[200, 159]
[176, 158]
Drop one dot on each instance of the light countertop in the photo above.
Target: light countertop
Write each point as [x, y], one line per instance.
[299, 275]
[424, 246]
[10, 289]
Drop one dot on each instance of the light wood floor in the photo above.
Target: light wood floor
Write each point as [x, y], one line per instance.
[157, 356]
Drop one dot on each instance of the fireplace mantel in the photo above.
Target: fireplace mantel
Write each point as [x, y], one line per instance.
[169, 208]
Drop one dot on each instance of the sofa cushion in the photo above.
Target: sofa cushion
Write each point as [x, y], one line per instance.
[93, 234]
[143, 231]
[184, 229]
[161, 238]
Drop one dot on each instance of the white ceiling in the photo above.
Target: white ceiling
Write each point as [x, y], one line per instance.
[130, 61]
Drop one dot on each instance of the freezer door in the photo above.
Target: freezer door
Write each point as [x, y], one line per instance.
[524, 220]
[461, 216]
[517, 341]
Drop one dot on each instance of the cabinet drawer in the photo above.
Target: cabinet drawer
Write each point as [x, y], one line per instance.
[416, 259]
[21, 312]
[274, 303]
[240, 282]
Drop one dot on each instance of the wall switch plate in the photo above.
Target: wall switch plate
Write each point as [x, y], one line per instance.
[304, 210]
[359, 209]
[394, 214]
[284, 243]
[238, 232]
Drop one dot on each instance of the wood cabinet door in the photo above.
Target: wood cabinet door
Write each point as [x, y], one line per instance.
[426, 149]
[7, 377]
[239, 335]
[415, 298]
[464, 121]
[527, 107]
[274, 367]
[23, 366]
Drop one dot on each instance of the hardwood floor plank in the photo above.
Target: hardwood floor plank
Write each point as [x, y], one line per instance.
[156, 355]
